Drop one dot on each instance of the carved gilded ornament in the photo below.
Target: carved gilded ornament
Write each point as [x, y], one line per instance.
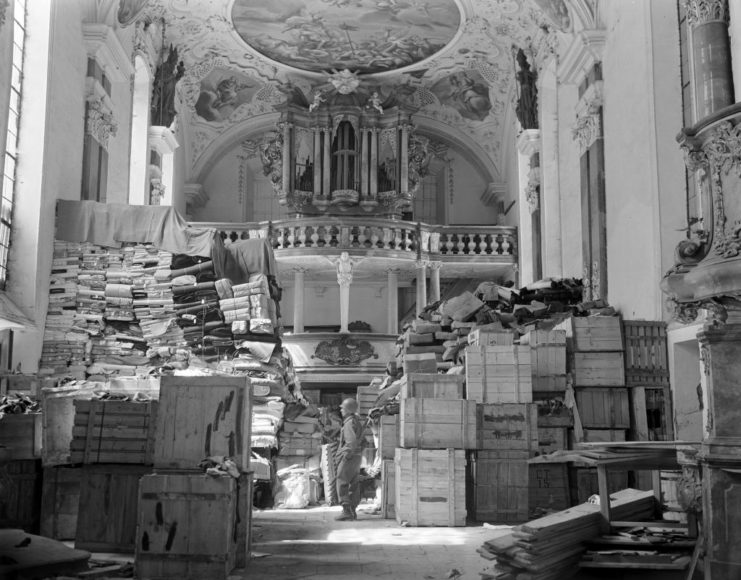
[587, 129]
[101, 124]
[702, 11]
[344, 351]
[532, 191]
[689, 489]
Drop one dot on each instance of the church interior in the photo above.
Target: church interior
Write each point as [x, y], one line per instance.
[507, 230]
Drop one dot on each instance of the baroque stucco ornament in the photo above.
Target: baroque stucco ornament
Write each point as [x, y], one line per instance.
[344, 351]
[101, 123]
[702, 11]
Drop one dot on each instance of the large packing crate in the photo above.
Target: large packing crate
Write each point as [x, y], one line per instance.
[508, 426]
[485, 337]
[425, 362]
[366, 397]
[113, 432]
[437, 424]
[60, 502]
[601, 408]
[388, 435]
[388, 489]
[549, 487]
[593, 333]
[598, 369]
[432, 386]
[553, 412]
[500, 480]
[646, 357]
[585, 482]
[203, 416]
[187, 527]
[547, 359]
[499, 374]
[20, 494]
[552, 439]
[108, 508]
[430, 487]
[20, 435]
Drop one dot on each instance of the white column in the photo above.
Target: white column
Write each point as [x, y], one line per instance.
[138, 184]
[734, 31]
[162, 140]
[344, 279]
[528, 143]
[327, 157]
[317, 161]
[435, 281]
[421, 266]
[374, 163]
[404, 177]
[364, 162]
[298, 300]
[392, 326]
[286, 158]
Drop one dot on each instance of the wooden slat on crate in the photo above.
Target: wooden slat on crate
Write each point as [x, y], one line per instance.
[507, 426]
[603, 408]
[433, 386]
[547, 359]
[20, 435]
[430, 487]
[243, 535]
[388, 435]
[202, 416]
[60, 501]
[186, 527]
[499, 374]
[646, 358]
[388, 489]
[549, 487]
[113, 432]
[501, 486]
[366, 397]
[596, 333]
[598, 369]
[552, 439]
[106, 519]
[420, 363]
[20, 496]
[484, 337]
[437, 424]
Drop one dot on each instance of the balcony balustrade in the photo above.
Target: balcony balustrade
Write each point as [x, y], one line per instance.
[395, 237]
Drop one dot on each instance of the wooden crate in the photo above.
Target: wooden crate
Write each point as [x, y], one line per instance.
[508, 426]
[596, 333]
[20, 494]
[499, 374]
[432, 386]
[552, 439]
[60, 501]
[437, 424]
[420, 363]
[109, 504]
[601, 408]
[20, 435]
[500, 486]
[202, 416]
[547, 359]
[388, 489]
[598, 369]
[113, 432]
[366, 397]
[430, 487]
[484, 337]
[646, 357]
[585, 482]
[388, 435]
[597, 436]
[552, 412]
[243, 532]
[186, 527]
[549, 487]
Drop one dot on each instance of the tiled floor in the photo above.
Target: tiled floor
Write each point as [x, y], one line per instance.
[309, 544]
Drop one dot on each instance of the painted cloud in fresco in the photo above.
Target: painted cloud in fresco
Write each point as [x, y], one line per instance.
[467, 92]
[223, 92]
[365, 36]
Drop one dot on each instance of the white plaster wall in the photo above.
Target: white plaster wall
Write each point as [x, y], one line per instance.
[179, 172]
[222, 186]
[642, 114]
[466, 206]
[119, 146]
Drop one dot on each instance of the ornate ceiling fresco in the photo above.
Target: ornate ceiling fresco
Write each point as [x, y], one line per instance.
[450, 61]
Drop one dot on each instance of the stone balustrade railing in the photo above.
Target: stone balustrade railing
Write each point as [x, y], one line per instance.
[394, 236]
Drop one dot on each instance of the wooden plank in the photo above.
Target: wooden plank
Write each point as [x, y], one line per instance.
[499, 374]
[437, 424]
[388, 490]
[596, 333]
[420, 363]
[388, 435]
[501, 487]
[598, 369]
[646, 356]
[203, 416]
[603, 408]
[434, 386]
[511, 426]
[549, 486]
[483, 337]
[60, 499]
[638, 415]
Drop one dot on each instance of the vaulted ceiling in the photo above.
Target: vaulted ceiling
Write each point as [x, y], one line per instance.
[452, 61]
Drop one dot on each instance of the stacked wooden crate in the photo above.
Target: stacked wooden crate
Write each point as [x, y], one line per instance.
[499, 381]
[388, 441]
[190, 524]
[424, 345]
[436, 426]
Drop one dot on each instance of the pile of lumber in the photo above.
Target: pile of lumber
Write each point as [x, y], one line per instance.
[550, 547]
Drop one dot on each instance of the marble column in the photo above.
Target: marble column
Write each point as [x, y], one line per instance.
[298, 300]
[721, 450]
[392, 325]
[286, 158]
[344, 279]
[317, 161]
[421, 266]
[711, 55]
[404, 149]
[327, 157]
[435, 281]
[374, 163]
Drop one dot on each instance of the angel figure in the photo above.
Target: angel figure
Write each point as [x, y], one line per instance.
[375, 102]
[318, 100]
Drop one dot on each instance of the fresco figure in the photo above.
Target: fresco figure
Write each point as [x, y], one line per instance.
[219, 102]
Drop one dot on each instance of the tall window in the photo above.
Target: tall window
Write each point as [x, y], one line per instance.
[694, 208]
[344, 158]
[94, 152]
[11, 138]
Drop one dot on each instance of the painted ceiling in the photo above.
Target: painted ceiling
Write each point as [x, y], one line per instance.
[450, 61]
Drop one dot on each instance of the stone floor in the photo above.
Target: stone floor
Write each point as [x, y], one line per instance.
[309, 544]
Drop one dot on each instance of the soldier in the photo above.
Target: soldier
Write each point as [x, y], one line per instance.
[349, 457]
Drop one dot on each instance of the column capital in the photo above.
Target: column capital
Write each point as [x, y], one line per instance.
[393, 270]
[421, 264]
[703, 11]
[435, 265]
[298, 269]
